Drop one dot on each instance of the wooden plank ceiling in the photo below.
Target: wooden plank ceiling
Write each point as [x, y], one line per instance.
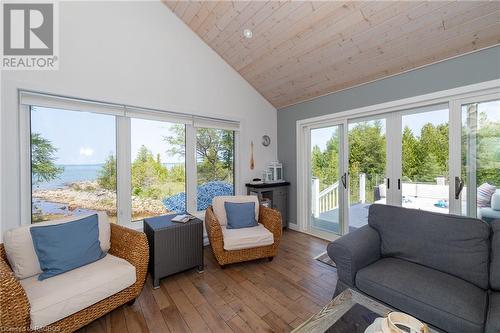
[304, 49]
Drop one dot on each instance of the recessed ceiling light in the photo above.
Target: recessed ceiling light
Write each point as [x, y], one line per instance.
[247, 33]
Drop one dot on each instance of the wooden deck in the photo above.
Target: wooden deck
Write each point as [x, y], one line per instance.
[258, 296]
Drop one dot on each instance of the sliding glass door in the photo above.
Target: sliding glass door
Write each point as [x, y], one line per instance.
[480, 158]
[367, 168]
[424, 183]
[442, 157]
[327, 179]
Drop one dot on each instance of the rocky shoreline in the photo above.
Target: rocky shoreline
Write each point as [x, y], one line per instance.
[88, 195]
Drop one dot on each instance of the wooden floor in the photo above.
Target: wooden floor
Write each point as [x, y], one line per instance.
[258, 296]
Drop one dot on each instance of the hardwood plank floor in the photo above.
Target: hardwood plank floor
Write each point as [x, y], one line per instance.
[257, 296]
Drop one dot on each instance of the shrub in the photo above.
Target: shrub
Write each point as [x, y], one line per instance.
[205, 194]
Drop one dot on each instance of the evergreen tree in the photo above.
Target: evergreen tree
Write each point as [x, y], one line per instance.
[43, 167]
[410, 158]
[106, 177]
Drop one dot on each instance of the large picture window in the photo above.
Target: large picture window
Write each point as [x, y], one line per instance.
[73, 165]
[130, 163]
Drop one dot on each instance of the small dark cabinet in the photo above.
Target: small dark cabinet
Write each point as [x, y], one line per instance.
[173, 247]
[276, 193]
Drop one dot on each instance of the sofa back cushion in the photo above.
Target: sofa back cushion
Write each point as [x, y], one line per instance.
[220, 210]
[21, 252]
[495, 256]
[63, 247]
[452, 244]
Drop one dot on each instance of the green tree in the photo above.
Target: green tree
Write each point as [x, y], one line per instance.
[434, 140]
[148, 174]
[214, 152]
[430, 169]
[411, 151]
[367, 154]
[488, 151]
[325, 164]
[367, 148]
[43, 167]
[106, 177]
[177, 174]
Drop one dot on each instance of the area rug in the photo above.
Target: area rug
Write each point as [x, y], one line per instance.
[325, 259]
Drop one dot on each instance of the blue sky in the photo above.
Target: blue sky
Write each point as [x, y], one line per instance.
[88, 138]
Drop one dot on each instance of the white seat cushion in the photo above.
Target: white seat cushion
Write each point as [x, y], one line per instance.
[62, 295]
[246, 238]
[21, 252]
[220, 210]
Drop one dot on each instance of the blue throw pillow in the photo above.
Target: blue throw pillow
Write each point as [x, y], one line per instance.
[66, 246]
[240, 215]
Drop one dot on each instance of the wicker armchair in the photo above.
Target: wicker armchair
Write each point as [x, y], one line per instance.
[126, 243]
[270, 218]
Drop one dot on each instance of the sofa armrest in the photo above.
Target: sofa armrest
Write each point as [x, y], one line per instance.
[271, 219]
[14, 304]
[354, 251]
[214, 230]
[131, 245]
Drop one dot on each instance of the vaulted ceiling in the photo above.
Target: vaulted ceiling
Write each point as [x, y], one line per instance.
[304, 49]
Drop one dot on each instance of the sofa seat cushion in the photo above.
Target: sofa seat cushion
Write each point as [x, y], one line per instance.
[437, 298]
[60, 296]
[493, 320]
[246, 238]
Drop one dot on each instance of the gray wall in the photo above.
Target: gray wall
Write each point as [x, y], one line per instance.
[469, 69]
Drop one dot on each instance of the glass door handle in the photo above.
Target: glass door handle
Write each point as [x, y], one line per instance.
[459, 186]
[344, 180]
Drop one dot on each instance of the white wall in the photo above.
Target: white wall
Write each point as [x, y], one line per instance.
[136, 53]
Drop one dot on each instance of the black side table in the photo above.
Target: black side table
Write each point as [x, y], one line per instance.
[173, 246]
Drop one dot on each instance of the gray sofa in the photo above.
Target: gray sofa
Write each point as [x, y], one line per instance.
[443, 269]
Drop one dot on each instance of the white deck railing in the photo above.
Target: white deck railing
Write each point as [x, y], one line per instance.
[416, 194]
[326, 200]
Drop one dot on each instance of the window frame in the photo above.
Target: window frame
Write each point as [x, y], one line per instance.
[123, 148]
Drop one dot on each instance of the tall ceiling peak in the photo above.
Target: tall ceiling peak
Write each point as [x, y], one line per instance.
[299, 50]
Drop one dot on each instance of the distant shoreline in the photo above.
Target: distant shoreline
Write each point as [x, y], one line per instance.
[88, 196]
[74, 173]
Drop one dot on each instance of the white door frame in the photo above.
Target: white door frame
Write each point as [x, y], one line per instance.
[454, 97]
[303, 186]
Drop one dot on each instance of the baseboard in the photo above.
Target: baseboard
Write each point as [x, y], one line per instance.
[329, 238]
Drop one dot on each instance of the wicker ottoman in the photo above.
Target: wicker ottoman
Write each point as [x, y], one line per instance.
[173, 247]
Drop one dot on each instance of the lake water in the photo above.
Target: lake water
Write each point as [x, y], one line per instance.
[78, 173]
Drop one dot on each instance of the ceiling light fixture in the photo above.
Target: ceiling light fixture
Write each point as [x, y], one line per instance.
[247, 33]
